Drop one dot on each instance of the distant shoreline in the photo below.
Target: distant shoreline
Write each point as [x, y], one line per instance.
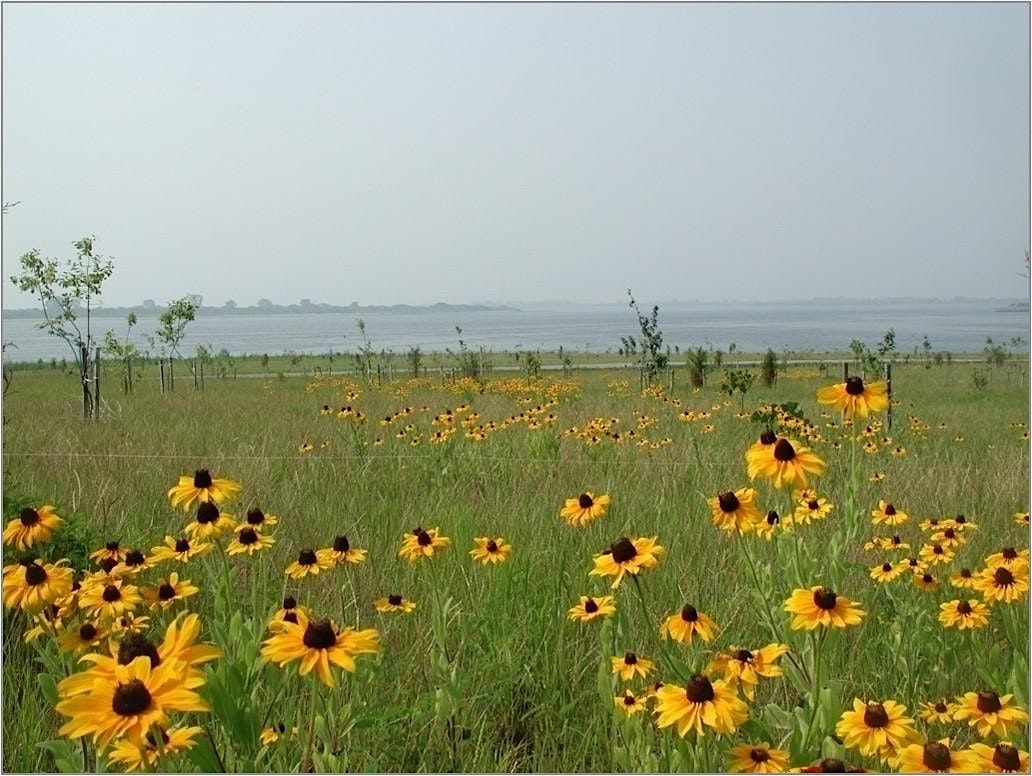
[153, 311]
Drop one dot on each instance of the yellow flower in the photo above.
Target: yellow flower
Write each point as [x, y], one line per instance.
[854, 398]
[888, 514]
[32, 525]
[585, 508]
[964, 579]
[591, 608]
[627, 557]
[713, 704]
[735, 510]
[873, 727]
[342, 551]
[168, 592]
[964, 614]
[31, 585]
[309, 563]
[785, 463]
[209, 523]
[289, 612]
[939, 712]
[990, 714]
[934, 554]
[271, 735]
[490, 550]
[1002, 758]
[887, 572]
[394, 603]
[181, 549]
[147, 753]
[936, 757]
[1003, 583]
[257, 519]
[689, 622]
[86, 636]
[1008, 556]
[744, 668]
[630, 665]
[249, 540]
[821, 606]
[813, 509]
[886, 543]
[201, 487]
[757, 758]
[317, 646]
[926, 582]
[628, 703]
[422, 544]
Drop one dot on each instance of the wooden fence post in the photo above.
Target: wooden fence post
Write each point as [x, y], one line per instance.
[845, 371]
[96, 385]
[161, 368]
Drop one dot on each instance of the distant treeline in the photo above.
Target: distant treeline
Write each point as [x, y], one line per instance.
[264, 307]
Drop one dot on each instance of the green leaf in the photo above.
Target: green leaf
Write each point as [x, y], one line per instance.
[48, 686]
[66, 757]
[203, 756]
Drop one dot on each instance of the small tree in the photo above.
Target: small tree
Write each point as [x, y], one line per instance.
[65, 293]
[737, 381]
[653, 358]
[697, 365]
[769, 368]
[125, 351]
[415, 359]
[365, 360]
[172, 326]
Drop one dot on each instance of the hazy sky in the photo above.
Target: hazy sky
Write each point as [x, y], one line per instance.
[458, 153]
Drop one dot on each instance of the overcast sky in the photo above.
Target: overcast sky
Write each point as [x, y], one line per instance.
[457, 153]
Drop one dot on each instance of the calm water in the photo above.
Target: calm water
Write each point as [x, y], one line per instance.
[957, 326]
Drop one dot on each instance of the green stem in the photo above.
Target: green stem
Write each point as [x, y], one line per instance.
[655, 635]
[306, 763]
[818, 642]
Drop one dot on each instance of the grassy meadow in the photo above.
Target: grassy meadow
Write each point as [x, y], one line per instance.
[489, 672]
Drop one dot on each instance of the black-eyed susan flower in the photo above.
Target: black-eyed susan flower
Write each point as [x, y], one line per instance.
[129, 623]
[629, 703]
[873, 727]
[891, 543]
[33, 525]
[963, 615]
[1008, 556]
[422, 544]
[703, 702]
[30, 585]
[916, 565]
[394, 603]
[877, 477]
[585, 508]
[735, 510]
[949, 537]
[686, 624]
[630, 665]
[934, 554]
[1021, 518]
[126, 705]
[168, 592]
[1002, 758]
[291, 612]
[249, 540]
[938, 712]
[821, 606]
[257, 519]
[964, 579]
[853, 397]
[318, 645]
[771, 523]
[886, 572]
[134, 562]
[813, 509]
[888, 514]
[82, 638]
[1003, 584]
[108, 599]
[202, 487]
[146, 754]
[181, 549]
[274, 733]
[936, 757]
[590, 608]
[744, 668]
[490, 550]
[926, 582]
[342, 552]
[309, 563]
[831, 765]
[786, 463]
[757, 758]
[625, 556]
[209, 523]
[990, 714]
[112, 551]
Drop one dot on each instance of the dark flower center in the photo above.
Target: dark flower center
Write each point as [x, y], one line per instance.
[689, 613]
[773, 518]
[255, 516]
[875, 716]
[492, 546]
[886, 567]
[1006, 758]
[152, 739]
[182, 545]
[290, 617]
[629, 700]
[1003, 577]
[281, 727]
[1009, 553]
[202, 479]
[133, 646]
[585, 501]
[813, 504]
[831, 765]
[340, 544]
[320, 635]
[933, 522]
[35, 574]
[111, 546]
[423, 538]
[289, 602]
[758, 755]
[134, 558]
[699, 690]
[988, 702]
[630, 659]
[307, 558]
[914, 562]
[394, 600]
[590, 606]
[623, 550]
[890, 510]
[941, 708]
[248, 536]
[949, 533]
[937, 757]
[108, 563]
[207, 513]
[960, 520]
[744, 656]
[729, 502]
[963, 608]
[131, 699]
[29, 516]
[824, 598]
[87, 631]
[783, 450]
[166, 592]
[854, 386]
[937, 549]
[111, 594]
[768, 437]
[897, 540]
[927, 579]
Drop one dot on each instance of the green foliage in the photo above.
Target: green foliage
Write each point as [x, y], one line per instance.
[697, 367]
[769, 369]
[737, 381]
[173, 321]
[653, 359]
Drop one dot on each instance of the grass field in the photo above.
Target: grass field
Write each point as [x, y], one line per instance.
[489, 673]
